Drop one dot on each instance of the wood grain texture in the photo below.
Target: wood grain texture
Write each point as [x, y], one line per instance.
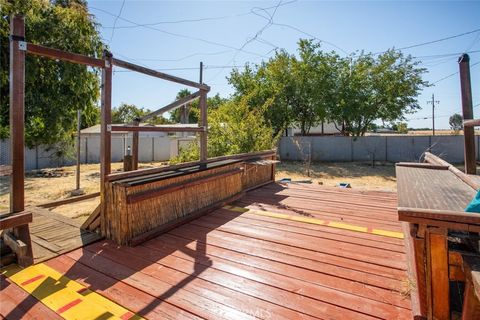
[236, 265]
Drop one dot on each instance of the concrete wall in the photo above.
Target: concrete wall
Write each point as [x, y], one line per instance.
[150, 149]
[382, 148]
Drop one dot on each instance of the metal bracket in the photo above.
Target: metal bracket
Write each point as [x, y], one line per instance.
[109, 128]
[107, 64]
[22, 45]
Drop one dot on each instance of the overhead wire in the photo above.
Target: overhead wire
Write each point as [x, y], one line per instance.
[115, 21]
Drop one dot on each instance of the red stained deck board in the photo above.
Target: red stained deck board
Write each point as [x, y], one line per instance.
[239, 283]
[172, 271]
[232, 265]
[351, 215]
[130, 297]
[18, 304]
[168, 243]
[242, 240]
[353, 252]
[174, 294]
[338, 271]
[388, 243]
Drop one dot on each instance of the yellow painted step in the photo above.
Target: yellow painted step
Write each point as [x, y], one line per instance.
[66, 297]
[331, 224]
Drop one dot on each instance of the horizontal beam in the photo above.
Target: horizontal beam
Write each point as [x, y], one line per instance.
[63, 55]
[471, 123]
[11, 220]
[156, 129]
[69, 200]
[158, 74]
[172, 105]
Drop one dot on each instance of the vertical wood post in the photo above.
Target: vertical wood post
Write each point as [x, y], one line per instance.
[203, 119]
[17, 128]
[105, 133]
[468, 132]
[135, 142]
[17, 114]
[79, 121]
[203, 123]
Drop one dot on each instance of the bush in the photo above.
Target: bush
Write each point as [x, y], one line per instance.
[234, 127]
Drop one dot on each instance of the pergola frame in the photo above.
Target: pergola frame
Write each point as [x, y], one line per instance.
[18, 49]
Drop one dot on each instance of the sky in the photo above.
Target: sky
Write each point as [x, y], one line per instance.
[173, 37]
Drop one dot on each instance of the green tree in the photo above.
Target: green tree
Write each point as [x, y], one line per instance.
[54, 91]
[373, 88]
[456, 122]
[194, 112]
[126, 113]
[234, 127]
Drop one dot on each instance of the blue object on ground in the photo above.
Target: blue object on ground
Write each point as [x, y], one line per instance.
[344, 185]
[474, 205]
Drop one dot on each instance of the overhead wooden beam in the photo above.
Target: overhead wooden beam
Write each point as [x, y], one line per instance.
[467, 110]
[171, 106]
[156, 129]
[63, 55]
[158, 74]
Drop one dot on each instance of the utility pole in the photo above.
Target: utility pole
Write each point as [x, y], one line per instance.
[433, 101]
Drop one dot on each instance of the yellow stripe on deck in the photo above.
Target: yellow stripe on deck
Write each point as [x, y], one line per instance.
[66, 297]
[331, 224]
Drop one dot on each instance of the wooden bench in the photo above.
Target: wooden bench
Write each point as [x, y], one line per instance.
[432, 199]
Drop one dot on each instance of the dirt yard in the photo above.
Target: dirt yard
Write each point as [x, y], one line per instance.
[48, 185]
[359, 175]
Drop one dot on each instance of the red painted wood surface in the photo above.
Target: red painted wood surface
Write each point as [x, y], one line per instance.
[232, 265]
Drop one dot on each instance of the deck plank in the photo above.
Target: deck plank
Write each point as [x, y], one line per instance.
[238, 265]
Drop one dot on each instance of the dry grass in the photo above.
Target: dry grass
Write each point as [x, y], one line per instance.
[40, 189]
[359, 175]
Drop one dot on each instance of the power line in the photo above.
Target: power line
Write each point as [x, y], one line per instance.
[194, 20]
[433, 41]
[451, 75]
[178, 34]
[115, 21]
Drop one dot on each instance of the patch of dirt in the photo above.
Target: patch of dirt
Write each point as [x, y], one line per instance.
[46, 185]
[358, 175]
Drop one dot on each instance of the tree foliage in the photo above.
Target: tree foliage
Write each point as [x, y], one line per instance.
[54, 91]
[194, 112]
[234, 127]
[456, 122]
[317, 86]
[127, 113]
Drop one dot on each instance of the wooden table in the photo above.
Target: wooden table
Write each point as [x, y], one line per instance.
[432, 201]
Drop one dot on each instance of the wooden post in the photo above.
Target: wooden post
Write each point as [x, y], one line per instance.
[468, 132]
[17, 128]
[105, 127]
[437, 271]
[135, 138]
[79, 121]
[203, 119]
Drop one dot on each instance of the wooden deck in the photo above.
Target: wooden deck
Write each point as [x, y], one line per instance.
[53, 234]
[302, 252]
